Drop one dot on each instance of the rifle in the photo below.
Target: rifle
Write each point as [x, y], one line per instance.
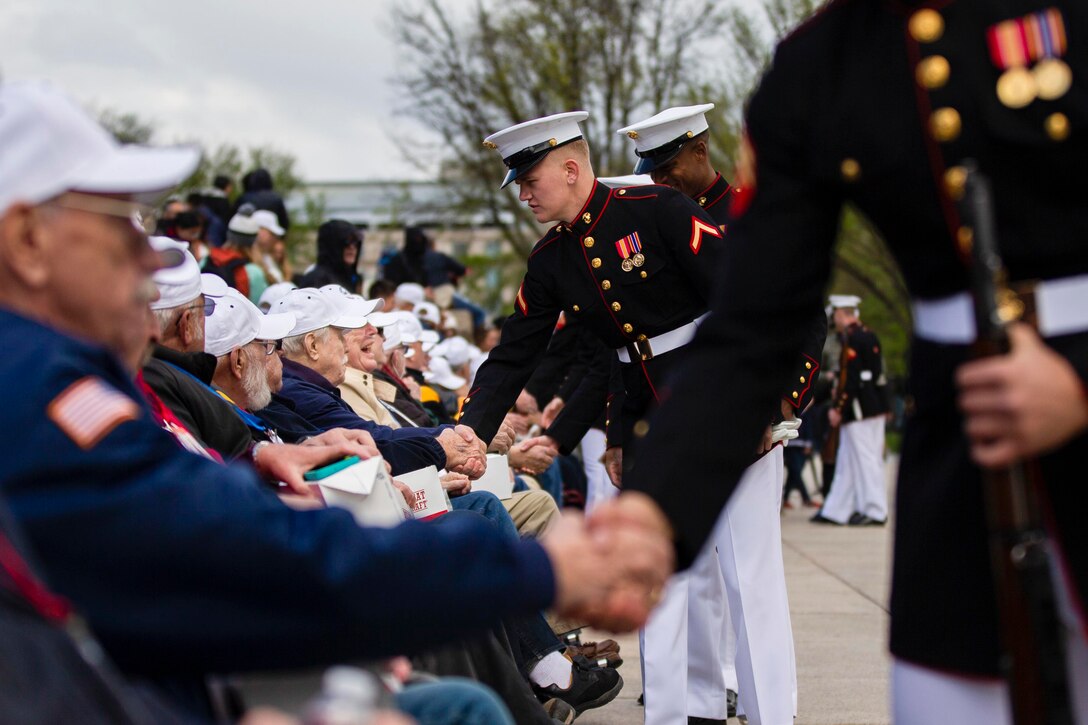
[829, 453]
[1034, 661]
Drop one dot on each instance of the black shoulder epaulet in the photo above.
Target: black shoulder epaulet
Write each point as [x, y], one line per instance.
[635, 193]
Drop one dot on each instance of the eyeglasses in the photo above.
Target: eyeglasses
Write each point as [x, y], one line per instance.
[209, 306]
[105, 205]
[270, 346]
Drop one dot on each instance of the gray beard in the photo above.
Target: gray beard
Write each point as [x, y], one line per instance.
[255, 383]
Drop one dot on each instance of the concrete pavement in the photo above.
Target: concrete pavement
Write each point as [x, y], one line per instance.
[838, 580]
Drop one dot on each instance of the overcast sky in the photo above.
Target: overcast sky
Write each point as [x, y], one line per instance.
[309, 77]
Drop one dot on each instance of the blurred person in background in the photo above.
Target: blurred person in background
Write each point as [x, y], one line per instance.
[339, 247]
[257, 189]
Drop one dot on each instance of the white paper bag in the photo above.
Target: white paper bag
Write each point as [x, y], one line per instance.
[366, 490]
[496, 478]
[431, 500]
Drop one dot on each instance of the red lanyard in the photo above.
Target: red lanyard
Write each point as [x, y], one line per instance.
[47, 604]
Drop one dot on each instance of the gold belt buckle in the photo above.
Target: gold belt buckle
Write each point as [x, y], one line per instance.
[1023, 302]
[640, 349]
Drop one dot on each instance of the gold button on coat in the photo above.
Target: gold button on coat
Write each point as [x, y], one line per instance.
[933, 72]
[795, 396]
[926, 25]
[616, 307]
[850, 169]
[576, 308]
[945, 124]
[642, 274]
[627, 327]
[808, 366]
[605, 284]
[802, 378]
[1057, 126]
[955, 179]
[965, 237]
[641, 429]
[596, 262]
[587, 217]
[588, 241]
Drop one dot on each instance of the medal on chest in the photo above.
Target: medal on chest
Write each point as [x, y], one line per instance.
[630, 250]
[1029, 51]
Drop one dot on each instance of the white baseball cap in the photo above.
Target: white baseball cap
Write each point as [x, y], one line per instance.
[382, 320]
[182, 283]
[523, 146]
[391, 335]
[659, 138]
[49, 145]
[456, 350]
[313, 310]
[243, 223]
[265, 219]
[410, 327]
[409, 292]
[440, 373]
[428, 311]
[236, 322]
[348, 303]
[273, 293]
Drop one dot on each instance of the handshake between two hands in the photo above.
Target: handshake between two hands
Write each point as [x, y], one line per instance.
[611, 568]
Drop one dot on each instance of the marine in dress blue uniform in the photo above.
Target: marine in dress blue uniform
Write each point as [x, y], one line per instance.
[634, 267]
[699, 644]
[861, 407]
[879, 104]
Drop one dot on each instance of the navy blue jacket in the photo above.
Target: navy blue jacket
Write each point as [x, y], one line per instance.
[318, 401]
[183, 566]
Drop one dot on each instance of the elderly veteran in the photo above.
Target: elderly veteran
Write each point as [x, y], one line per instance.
[314, 363]
[365, 355]
[179, 370]
[183, 566]
[244, 343]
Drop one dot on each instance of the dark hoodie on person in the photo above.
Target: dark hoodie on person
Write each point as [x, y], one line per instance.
[333, 237]
[418, 263]
[257, 190]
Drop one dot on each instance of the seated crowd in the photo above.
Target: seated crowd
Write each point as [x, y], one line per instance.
[203, 555]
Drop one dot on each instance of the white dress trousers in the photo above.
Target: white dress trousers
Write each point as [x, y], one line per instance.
[599, 486]
[859, 484]
[746, 550]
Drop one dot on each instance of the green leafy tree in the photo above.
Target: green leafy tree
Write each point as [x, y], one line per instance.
[506, 61]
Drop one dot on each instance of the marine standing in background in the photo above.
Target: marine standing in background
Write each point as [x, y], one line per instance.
[858, 494]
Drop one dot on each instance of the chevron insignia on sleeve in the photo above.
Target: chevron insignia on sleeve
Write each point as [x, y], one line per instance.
[519, 301]
[89, 409]
[698, 228]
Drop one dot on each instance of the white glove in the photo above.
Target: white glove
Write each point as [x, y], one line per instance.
[785, 431]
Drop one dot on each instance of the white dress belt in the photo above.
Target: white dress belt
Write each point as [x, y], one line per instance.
[663, 343]
[1061, 306]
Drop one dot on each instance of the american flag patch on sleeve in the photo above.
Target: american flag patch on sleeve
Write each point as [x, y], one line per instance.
[89, 409]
